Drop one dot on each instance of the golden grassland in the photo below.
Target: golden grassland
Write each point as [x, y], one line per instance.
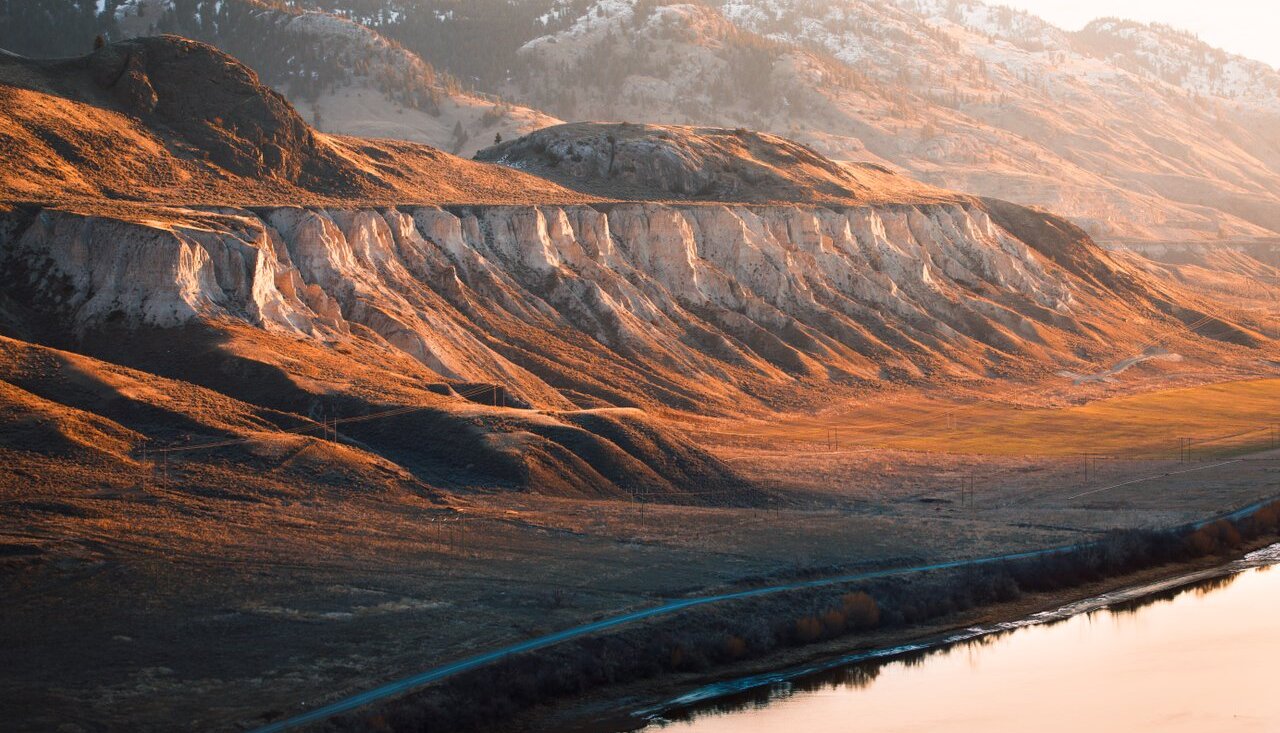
[1220, 419]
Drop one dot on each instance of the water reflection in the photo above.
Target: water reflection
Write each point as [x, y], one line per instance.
[1184, 658]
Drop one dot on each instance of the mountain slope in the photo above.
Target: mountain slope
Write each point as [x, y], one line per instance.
[665, 162]
[171, 120]
[962, 95]
[123, 142]
[343, 76]
[1135, 132]
[313, 275]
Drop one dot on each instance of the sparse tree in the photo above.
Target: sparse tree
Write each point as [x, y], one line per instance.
[460, 137]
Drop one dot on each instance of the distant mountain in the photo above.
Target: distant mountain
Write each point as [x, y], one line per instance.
[1104, 126]
[170, 120]
[1182, 59]
[342, 76]
[1133, 131]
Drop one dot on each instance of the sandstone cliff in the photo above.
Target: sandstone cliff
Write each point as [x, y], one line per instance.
[630, 304]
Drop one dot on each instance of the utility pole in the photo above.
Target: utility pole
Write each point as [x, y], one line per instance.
[1091, 465]
[966, 491]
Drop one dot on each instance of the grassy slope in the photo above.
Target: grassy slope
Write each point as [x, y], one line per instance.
[69, 137]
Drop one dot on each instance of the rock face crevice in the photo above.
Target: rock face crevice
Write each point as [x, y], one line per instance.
[638, 304]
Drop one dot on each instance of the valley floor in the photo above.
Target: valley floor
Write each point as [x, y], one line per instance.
[141, 608]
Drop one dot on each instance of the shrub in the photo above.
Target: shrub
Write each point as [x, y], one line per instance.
[861, 610]
[1214, 538]
[833, 622]
[808, 629]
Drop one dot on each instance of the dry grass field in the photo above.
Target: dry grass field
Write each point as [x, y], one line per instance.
[1219, 419]
[292, 597]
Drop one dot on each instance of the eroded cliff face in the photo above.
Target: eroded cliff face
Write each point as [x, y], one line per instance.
[624, 305]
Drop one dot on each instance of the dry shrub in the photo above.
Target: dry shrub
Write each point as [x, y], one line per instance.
[1265, 521]
[833, 622]
[1213, 538]
[861, 610]
[808, 629]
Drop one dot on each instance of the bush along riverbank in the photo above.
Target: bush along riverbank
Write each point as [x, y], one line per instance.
[702, 639]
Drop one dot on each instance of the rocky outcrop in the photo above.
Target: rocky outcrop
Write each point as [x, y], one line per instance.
[213, 102]
[665, 162]
[625, 305]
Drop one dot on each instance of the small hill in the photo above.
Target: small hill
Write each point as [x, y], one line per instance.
[170, 120]
[666, 162]
[343, 76]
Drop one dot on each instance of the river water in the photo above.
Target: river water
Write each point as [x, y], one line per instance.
[1199, 654]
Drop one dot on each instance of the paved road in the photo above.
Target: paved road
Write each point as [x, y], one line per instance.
[408, 684]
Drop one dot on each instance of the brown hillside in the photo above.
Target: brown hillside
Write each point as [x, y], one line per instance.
[169, 120]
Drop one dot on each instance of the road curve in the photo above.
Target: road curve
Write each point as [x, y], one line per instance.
[435, 674]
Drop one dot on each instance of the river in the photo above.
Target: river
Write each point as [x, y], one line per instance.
[1196, 654]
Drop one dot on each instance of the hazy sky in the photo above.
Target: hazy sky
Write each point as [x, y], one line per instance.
[1246, 27]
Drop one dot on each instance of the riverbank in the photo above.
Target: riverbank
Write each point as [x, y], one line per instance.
[629, 707]
[708, 636]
